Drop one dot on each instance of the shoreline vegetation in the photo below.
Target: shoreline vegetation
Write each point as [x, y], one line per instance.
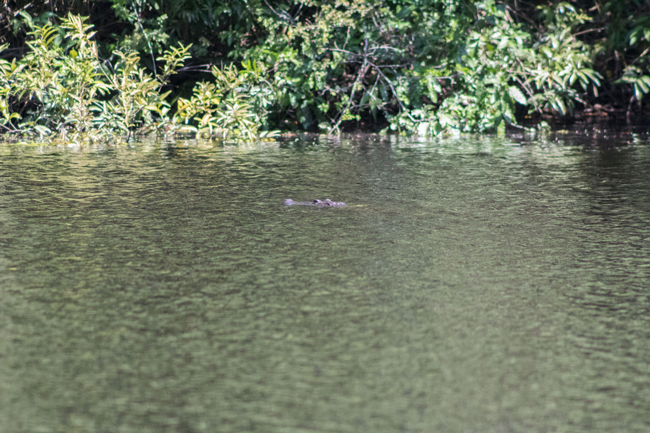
[81, 70]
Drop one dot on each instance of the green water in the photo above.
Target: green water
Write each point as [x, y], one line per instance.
[471, 285]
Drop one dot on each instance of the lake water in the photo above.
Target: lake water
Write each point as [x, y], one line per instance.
[470, 285]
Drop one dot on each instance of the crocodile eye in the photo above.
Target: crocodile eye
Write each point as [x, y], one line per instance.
[316, 201]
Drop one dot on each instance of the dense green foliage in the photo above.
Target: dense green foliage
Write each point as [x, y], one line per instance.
[64, 91]
[414, 66]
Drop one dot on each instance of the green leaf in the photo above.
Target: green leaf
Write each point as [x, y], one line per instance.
[646, 79]
[42, 130]
[364, 99]
[572, 78]
[516, 94]
[501, 129]
[638, 93]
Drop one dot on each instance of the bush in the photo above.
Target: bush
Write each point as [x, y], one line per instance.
[60, 88]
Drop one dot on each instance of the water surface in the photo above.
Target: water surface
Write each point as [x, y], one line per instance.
[470, 285]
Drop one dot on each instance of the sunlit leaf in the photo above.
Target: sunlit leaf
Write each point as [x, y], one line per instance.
[516, 94]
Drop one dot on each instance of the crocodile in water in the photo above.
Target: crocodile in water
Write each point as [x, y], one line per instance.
[317, 203]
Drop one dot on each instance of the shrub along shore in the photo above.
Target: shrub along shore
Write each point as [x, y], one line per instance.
[245, 69]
